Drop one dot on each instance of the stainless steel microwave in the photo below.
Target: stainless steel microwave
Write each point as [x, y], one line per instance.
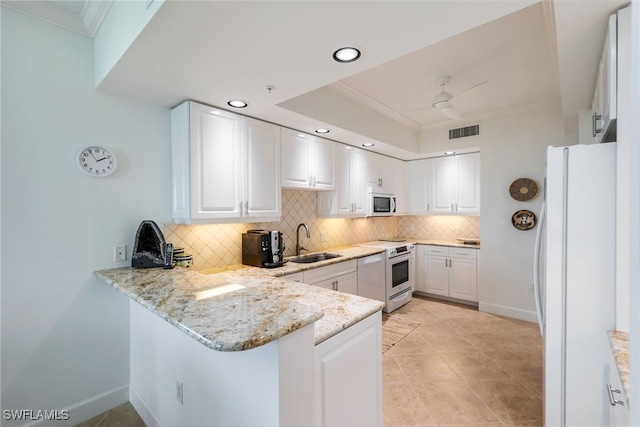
[380, 202]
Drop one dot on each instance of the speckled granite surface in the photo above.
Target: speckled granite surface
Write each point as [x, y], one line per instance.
[620, 346]
[454, 243]
[263, 308]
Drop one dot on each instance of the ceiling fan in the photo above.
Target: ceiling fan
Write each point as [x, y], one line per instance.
[442, 101]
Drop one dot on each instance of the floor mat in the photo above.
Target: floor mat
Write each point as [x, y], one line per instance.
[394, 330]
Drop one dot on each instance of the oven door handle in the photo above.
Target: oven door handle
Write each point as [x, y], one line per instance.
[399, 258]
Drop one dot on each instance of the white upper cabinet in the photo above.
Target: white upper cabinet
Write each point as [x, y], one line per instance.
[377, 170]
[307, 161]
[262, 154]
[455, 184]
[398, 184]
[442, 184]
[448, 185]
[419, 172]
[349, 197]
[467, 180]
[225, 167]
[604, 104]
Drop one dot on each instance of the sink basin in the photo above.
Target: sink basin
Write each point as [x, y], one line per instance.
[308, 259]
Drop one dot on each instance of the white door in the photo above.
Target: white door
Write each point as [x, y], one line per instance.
[442, 177]
[323, 159]
[398, 184]
[216, 163]
[468, 183]
[419, 172]
[358, 188]
[344, 205]
[462, 279]
[436, 274]
[262, 144]
[348, 283]
[295, 159]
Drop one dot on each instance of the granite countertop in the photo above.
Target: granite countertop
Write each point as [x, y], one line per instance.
[346, 254]
[454, 243]
[262, 307]
[620, 346]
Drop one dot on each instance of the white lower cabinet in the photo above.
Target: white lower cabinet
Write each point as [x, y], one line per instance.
[447, 271]
[341, 277]
[349, 376]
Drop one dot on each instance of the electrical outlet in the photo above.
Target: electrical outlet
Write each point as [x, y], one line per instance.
[412, 228]
[323, 236]
[179, 391]
[120, 253]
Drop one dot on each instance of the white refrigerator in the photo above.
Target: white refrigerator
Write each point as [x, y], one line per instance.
[576, 291]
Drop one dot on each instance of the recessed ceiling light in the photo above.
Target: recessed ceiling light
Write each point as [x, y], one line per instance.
[346, 54]
[322, 130]
[237, 103]
[368, 144]
[448, 153]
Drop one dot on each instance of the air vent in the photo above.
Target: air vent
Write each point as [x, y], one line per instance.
[464, 132]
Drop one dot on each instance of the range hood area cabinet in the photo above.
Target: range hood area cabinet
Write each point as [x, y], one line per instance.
[307, 161]
[225, 167]
[447, 185]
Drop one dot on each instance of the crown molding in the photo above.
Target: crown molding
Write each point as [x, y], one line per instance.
[374, 104]
[87, 23]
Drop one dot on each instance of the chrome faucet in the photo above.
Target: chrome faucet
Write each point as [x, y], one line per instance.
[298, 247]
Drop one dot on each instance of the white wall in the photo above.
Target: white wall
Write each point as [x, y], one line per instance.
[511, 147]
[64, 332]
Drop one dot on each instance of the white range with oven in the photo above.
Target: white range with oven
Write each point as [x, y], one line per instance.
[399, 271]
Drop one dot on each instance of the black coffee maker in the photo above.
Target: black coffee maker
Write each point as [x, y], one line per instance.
[150, 248]
[263, 248]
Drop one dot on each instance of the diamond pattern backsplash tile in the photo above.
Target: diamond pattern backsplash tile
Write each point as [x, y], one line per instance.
[219, 245]
[439, 227]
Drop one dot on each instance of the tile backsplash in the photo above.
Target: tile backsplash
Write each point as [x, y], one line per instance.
[218, 245]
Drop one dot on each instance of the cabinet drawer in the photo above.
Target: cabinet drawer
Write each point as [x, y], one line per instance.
[330, 271]
[436, 250]
[463, 253]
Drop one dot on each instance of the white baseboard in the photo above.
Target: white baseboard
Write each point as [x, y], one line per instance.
[143, 410]
[515, 313]
[88, 408]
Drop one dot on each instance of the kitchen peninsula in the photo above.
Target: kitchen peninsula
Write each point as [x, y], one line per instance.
[243, 347]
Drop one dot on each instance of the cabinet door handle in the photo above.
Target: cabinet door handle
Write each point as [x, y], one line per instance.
[335, 285]
[594, 124]
[241, 211]
[456, 205]
[428, 207]
[612, 400]
[246, 207]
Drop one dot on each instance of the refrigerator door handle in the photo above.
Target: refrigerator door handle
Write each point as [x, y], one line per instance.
[536, 270]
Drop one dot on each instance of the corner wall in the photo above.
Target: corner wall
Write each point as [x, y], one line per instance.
[65, 334]
[511, 147]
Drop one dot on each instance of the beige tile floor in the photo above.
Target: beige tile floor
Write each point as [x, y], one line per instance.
[460, 367]
[463, 367]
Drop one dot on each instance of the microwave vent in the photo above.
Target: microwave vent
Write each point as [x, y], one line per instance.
[464, 132]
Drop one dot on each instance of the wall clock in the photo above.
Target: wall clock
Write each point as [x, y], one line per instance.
[96, 161]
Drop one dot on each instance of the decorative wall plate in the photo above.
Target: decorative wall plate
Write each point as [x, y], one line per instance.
[523, 220]
[523, 189]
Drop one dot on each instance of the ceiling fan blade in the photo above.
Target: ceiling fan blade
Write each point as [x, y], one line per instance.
[469, 88]
[451, 113]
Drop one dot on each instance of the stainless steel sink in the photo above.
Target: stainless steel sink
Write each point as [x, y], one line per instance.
[308, 259]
